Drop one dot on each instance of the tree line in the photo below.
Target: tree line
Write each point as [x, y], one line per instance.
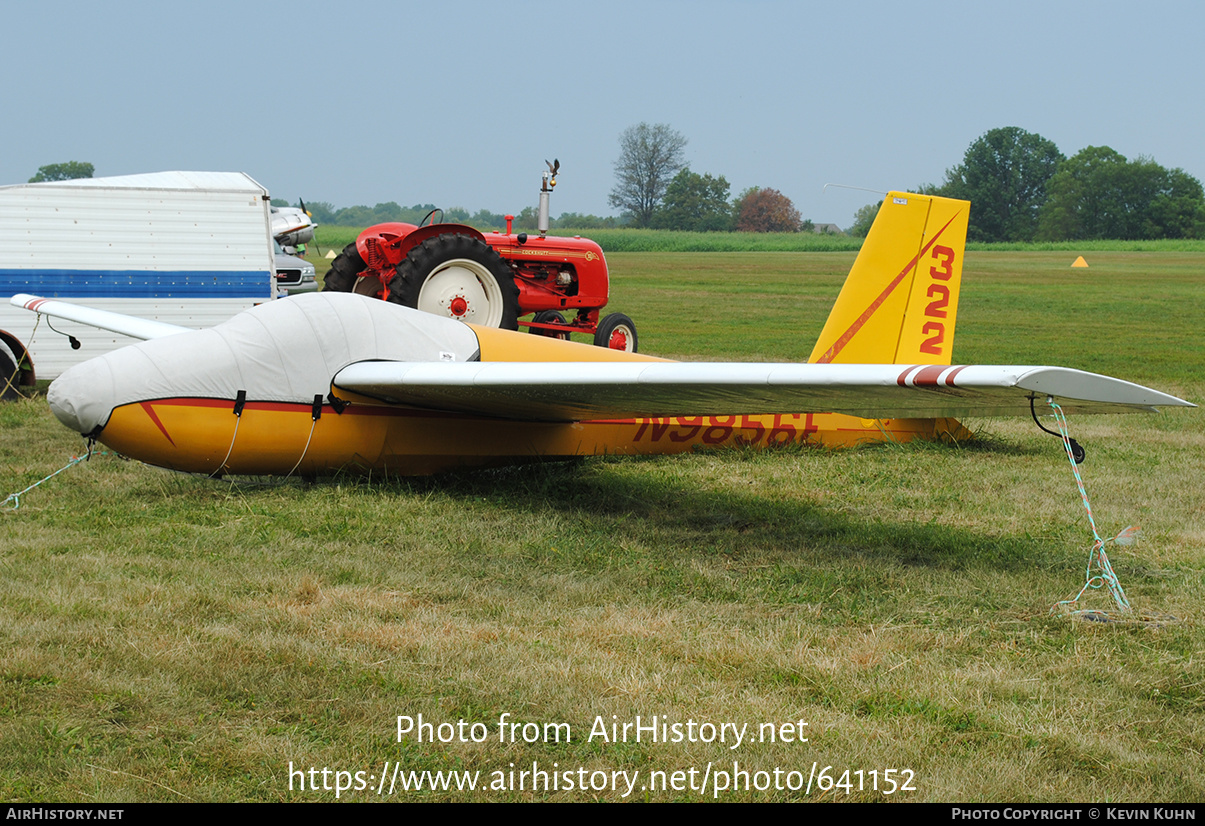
[364, 216]
[1022, 188]
[655, 188]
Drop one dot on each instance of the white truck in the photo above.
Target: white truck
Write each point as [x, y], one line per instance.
[186, 248]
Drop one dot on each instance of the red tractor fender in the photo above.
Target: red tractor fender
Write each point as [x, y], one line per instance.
[384, 246]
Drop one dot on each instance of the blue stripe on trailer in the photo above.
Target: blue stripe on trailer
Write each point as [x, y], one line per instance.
[58, 283]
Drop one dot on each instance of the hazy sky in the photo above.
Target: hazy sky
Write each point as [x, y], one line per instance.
[458, 104]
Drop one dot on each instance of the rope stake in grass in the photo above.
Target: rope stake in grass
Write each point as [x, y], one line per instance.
[1097, 556]
[15, 498]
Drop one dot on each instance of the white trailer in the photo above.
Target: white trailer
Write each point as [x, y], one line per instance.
[185, 248]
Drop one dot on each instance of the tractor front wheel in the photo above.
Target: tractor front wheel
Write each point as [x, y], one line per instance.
[548, 317]
[460, 277]
[617, 332]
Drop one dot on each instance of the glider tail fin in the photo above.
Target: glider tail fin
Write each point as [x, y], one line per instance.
[900, 300]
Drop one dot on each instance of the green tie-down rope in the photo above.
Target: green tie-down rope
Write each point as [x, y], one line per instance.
[1097, 558]
[15, 498]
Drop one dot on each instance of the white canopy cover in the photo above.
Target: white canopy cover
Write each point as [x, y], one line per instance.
[280, 351]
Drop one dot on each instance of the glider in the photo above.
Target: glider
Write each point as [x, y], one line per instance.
[325, 382]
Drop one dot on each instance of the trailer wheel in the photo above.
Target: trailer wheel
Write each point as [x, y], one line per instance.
[344, 270]
[460, 277]
[548, 317]
[9, 377]
[617, 332]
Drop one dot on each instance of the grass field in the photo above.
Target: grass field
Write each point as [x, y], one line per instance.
[650, 240]
[168, 638]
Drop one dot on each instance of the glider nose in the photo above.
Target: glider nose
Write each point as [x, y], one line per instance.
[81, 398]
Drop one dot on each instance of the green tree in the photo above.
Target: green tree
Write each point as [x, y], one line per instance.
[1097, 193]
[388, 211]
[63, 172]
[695, 202]
[1178, 208]
[767, 210]
[355, 216]
[649, 158]
[1004, 175]
[863, 219]
[484, 219]
[322, 212]
[576, 220]
[528, 219]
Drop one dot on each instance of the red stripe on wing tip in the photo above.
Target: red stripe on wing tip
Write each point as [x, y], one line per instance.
[949, 382]
[928, 376]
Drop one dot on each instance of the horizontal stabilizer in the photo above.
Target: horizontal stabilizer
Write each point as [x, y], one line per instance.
[571, 391]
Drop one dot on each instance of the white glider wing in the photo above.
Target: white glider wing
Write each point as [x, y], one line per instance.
[296, 349]
[572, 391]
[125, 325]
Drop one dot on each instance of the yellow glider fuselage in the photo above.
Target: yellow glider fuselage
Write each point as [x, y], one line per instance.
[202, 435]
[897, 307]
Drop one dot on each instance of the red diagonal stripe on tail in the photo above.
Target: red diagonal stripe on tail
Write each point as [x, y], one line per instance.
[861, 320]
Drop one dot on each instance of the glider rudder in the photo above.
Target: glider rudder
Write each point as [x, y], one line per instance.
[900, 300]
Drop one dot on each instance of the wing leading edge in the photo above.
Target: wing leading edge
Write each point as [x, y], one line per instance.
[125, 325]
[572, 391]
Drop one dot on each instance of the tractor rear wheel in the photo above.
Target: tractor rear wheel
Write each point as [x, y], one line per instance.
[460, 277]
[344, 271]
[617, 332]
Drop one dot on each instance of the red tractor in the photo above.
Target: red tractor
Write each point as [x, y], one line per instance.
[490, 279]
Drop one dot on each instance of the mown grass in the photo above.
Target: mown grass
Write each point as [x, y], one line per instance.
[164, 637]
[649, 240]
